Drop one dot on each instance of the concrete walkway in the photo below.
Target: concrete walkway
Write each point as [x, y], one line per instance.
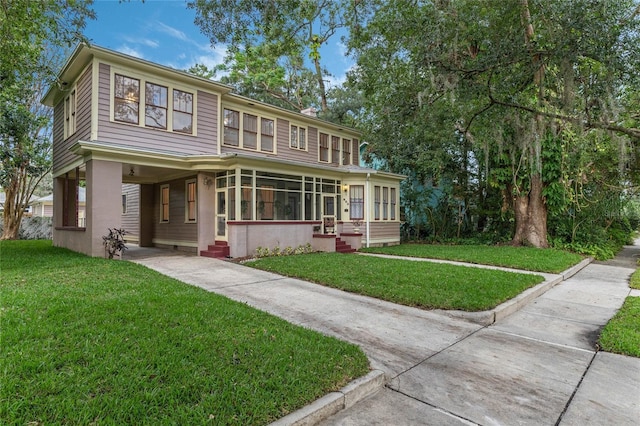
[538, 365]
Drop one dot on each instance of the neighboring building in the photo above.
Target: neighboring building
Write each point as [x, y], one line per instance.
[215, 173]
[43, 206]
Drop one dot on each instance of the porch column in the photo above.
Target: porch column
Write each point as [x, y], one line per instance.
[104, 202]
[206, 193]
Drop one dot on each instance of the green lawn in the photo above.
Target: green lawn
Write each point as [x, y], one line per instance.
[88, 340]
[635, 280]
[526, 258]
[622, 334]
[422, 284]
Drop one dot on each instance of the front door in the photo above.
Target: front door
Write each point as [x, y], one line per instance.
[221, 214]
[329, 214]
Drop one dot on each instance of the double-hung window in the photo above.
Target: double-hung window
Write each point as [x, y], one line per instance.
[346, 152]
[164, 203]
[298, 138]
[393, 204]
[266, 134]
[324, 147]
[385, 202]
[191, 200]
[376, 203]
[70, 114]
[182, 111]
[356, 201]
[250, 131]
[335, 150]
[126, 99]
[231, 127]
[155, 110]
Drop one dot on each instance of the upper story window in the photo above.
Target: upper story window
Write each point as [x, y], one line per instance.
[324, 147]
[164, 108]
[335, 149]
[248, 131]
[182, 111]
[231, 127]
[127, 99]
[155, 113]
[70, 114]
[346, 152]
[266, 134]
[298, 138]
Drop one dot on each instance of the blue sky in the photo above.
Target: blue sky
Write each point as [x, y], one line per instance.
[163, 31]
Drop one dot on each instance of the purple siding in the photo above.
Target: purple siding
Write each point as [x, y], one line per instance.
[62, 156]
[176, 229]
[148, 138]
[130, 219]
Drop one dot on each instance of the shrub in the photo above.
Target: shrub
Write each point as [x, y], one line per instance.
[34, 228]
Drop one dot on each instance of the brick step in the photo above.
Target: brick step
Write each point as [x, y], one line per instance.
[218, 250]
[343, 247]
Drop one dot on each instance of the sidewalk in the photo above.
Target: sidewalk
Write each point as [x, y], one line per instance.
[536, 366]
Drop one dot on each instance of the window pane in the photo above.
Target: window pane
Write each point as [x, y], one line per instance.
[182, 122]
[127, 99]
[302, 138]
[294, 137]
[376, 203]
[246, 204]
[393, 204]
[250, 128]
[266, 139]
[182, 101]
[324, 147]
[335, 150]
[182, 112]
[231, 127]
[155, 117]
[357, 202]
[346, 152]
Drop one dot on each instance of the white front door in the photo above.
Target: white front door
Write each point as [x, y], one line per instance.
[329, 214]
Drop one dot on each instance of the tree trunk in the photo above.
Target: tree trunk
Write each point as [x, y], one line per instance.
[323, 91]
[530, 212]
[12, 215]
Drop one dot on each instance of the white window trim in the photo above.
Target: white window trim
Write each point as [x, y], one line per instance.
[186, 201]
[144, 78]
[240, 145]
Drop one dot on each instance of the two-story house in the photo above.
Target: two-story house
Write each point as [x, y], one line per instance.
[217, 173]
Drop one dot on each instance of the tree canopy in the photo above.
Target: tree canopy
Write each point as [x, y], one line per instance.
[32, 34]
[503, 90]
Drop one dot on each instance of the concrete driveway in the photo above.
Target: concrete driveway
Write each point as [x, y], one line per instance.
[536, 366]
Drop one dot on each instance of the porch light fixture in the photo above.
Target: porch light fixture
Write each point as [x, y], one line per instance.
[131, 171]
[345, 188]
[207, 181]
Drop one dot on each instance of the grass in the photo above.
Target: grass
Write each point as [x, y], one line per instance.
[421, 284]
[622, 334]
[88, 340]
[634, 282]
[526, 258]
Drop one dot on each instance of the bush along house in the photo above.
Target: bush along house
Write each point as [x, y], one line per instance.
[216, 173]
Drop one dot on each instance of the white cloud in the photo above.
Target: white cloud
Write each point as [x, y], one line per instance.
[143, 41]
[175, 33]
[130, 51]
